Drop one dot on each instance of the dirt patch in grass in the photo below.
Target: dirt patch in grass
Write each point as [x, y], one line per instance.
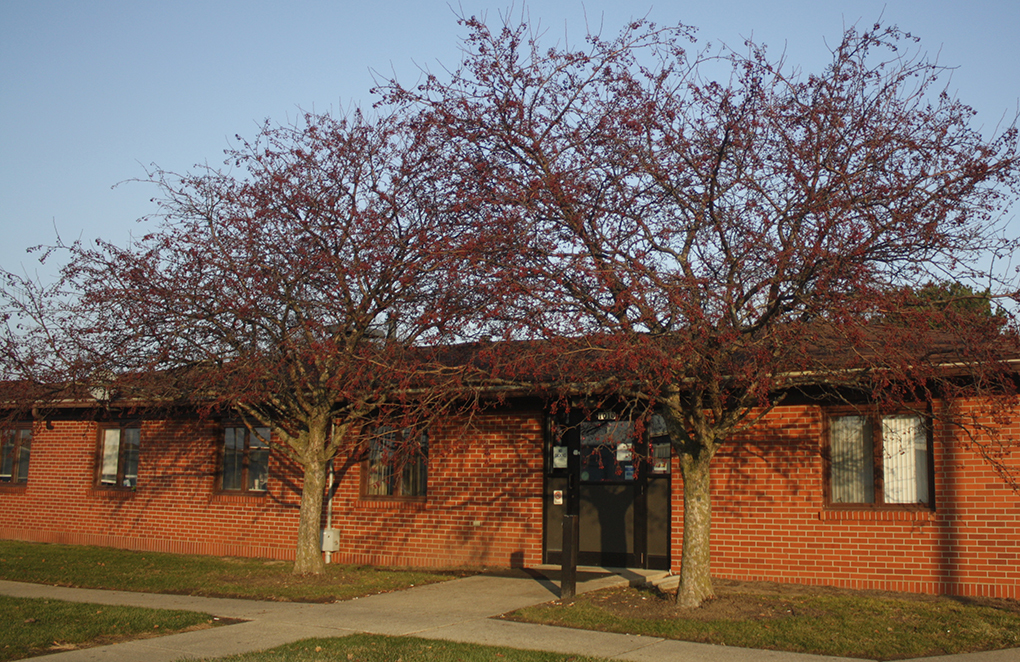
[756, 601]
[650, 604]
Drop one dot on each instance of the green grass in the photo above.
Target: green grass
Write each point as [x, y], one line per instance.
[101, 567]
[377, 648]
[843, 625]
[836, 623]
[34, 626]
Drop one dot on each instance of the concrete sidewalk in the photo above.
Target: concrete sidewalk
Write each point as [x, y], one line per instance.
[458, 610]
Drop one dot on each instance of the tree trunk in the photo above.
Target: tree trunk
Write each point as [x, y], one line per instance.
[308, 559]
[696, 560]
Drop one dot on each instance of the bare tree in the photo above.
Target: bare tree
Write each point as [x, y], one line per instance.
[306, 288]
[702, 245]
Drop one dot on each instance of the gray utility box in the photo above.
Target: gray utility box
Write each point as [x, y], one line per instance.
[330, 540]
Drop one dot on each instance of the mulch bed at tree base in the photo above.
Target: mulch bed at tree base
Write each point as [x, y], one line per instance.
[739, 600]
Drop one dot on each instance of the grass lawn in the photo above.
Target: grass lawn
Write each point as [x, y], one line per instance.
[376, 648]
[818, 620]
[31, 627]
[101, 567]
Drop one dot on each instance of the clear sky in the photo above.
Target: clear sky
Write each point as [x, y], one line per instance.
[92, 91]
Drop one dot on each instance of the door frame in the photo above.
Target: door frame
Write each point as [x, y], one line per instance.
[562, 494]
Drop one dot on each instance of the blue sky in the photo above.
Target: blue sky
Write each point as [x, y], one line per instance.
[93, 91]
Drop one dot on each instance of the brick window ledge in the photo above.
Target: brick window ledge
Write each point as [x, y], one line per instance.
[877, 515]
[241, 497]
[383, 503]
[112, 493]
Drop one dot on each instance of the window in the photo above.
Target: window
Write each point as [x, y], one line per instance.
[397, 465]
[661, 448]
[118, 457]
[607, 451]
[14, 451]
[879, 460]
[245, 459]
[611, 450]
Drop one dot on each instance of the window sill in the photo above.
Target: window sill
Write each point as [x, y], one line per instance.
[239, 497]
[393, 503]
[916, 514]
[13, 488]
[112, 492]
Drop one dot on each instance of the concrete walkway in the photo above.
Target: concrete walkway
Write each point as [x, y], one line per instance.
[458, 610]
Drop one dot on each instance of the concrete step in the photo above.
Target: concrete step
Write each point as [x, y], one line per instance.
[667, 582]
[596, 577]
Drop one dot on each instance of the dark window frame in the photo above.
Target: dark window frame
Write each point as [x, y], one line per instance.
[15, 454]
[122, 478]
[410, 483]
[650, 453]
[875, 419]
[238, 479]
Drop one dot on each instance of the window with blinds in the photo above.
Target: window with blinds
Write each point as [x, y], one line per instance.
[880, 460]
[118, 457]
[396, 465]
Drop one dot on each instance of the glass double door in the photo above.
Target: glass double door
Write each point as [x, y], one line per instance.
[618, 483]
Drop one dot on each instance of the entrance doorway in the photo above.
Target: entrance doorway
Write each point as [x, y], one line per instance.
[617, 482]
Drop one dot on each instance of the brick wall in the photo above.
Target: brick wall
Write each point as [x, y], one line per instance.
[484, 504]
[770, 521]
[175, 507]
[484, 507]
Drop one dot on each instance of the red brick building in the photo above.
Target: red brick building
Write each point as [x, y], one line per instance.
[814, 495]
